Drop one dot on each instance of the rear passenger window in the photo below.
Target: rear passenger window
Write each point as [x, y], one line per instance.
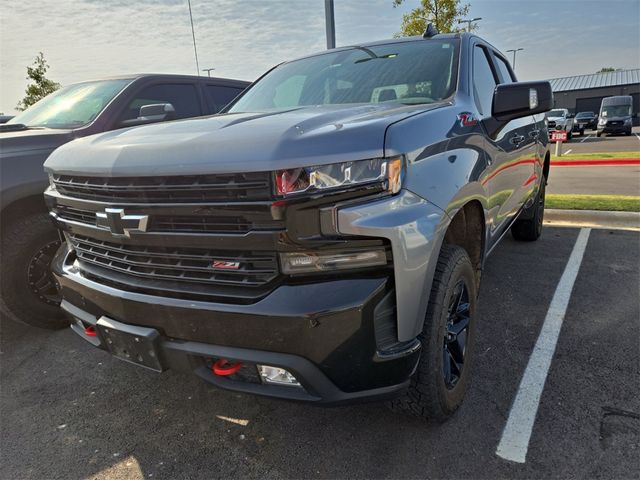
[183, 97]
[219, 96]
[484, 83]
[505, 73]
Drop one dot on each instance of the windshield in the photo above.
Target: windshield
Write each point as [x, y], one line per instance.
[72, 106]
[555, 113]
[412, 72]
[616, 111]
[585, 115]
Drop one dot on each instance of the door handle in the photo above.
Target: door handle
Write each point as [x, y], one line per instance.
[534, 134]
[516, 140]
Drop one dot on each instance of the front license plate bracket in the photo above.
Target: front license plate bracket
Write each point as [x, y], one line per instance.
[133, 344]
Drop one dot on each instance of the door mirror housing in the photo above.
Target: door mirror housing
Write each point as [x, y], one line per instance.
[156, 112]
[517, 100]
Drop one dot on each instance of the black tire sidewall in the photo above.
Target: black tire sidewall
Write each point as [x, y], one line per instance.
[458, 267]
[21, 240]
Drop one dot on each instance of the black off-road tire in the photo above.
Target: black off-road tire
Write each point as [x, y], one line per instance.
[529, 229]
[28, 291]
[428, 396]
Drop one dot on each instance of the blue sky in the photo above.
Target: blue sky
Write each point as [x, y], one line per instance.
[85, 39]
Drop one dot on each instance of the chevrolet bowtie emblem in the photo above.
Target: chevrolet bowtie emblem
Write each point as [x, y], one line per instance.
[118, 223]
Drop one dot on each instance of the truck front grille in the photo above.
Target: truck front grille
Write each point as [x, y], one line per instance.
[178, 265]
[230, 222]
[173, 189]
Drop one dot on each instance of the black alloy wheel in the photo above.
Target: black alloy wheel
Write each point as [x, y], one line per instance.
[455, 339]
[39, 275]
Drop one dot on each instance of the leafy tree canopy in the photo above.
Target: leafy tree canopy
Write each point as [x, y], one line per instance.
[444, 14]
[40, 85]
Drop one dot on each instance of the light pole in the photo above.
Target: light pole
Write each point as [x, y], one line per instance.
[514, 50]
[469, 22]
[208, 70]
[193, 34]
[330, 24]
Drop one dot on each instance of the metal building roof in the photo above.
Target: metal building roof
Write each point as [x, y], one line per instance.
[596, 80]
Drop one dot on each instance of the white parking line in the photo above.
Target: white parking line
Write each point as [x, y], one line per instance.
[568, 151]
[585, 138]
[517, 432]
[638, 136]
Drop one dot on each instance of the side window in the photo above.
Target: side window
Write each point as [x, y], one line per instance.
[484, 83]
[505, 72]
[219, 96]
[183, 97]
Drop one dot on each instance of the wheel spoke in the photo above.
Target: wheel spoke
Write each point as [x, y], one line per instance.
[446, 365]
[457, 354]
[456, 297]
[458, 327]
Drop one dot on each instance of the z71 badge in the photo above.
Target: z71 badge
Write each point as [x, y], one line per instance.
[467, 119]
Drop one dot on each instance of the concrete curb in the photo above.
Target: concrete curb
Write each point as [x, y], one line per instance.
[593, 219]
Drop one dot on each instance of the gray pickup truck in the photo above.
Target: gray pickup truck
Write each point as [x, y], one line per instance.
[323, 238]
[29, 240]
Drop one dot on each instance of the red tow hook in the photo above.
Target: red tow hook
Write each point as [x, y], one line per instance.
[90, 331]
[224, 368]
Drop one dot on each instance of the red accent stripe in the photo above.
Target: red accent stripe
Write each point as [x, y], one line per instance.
[610, 162]
[530, 180]
[505, 167]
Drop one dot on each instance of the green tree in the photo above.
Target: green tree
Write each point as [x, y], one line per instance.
[606, 69]
[40, 85]
[444, 15]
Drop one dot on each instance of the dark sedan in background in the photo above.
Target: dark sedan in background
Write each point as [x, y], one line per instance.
[584, 121]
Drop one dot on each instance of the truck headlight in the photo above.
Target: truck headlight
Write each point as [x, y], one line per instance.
[52, 184]
[309, 262]
[627, 121]
[602, 121]
[387, 172]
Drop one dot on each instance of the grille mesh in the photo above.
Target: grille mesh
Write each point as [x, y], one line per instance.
[182, 265]
[191, 188]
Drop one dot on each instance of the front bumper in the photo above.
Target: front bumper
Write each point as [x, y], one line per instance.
[328, 334]
[614, 128]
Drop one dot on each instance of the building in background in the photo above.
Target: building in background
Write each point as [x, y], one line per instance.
[584, 93]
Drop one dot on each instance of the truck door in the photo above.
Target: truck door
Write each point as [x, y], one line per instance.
[509, 179]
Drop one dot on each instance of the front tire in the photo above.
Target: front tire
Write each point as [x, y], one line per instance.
[529, 228]
[28, 290]
[443, 374]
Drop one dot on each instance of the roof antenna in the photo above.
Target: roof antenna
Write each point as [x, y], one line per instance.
[430, 31]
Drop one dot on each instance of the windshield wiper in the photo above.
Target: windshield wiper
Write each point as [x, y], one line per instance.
[13, 127]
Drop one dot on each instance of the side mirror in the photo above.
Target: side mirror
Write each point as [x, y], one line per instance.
[517, 100]
[571, 115]
[157, 112]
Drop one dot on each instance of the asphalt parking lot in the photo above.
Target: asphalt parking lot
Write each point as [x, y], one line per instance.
[69, 411]
[598, 180]
[589, 143]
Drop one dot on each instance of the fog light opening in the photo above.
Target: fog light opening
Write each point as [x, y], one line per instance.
[223, 367]
[277, 376]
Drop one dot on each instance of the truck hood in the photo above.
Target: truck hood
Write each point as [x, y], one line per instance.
[557, 119]
[236, 142]
[17, 142]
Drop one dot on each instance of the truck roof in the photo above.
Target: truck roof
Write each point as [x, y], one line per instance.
[159, 76]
